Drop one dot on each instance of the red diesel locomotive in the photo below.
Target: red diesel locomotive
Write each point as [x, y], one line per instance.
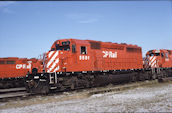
[158, 59]
[73, 63]
[72, 55]
[13, 70]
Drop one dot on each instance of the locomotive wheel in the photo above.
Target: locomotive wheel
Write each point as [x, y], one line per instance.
[42, 87]
[87, 85]
[153, 77]
[37, 87]
[141, 78]
[149, 77]
[72, 86]
[28, 90]
[1, 85]
[133, 78]
[45, 90]
[7, 85]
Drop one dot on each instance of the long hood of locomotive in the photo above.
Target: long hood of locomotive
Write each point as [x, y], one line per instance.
[52, 61]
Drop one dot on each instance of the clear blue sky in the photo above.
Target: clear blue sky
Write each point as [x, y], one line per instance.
[28, 29]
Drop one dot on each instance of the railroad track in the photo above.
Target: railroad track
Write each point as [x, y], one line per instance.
[2, 91]
[6, 94]
[130, 85]
[20, 93]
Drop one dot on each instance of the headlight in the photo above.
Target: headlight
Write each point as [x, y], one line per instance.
[36, 77]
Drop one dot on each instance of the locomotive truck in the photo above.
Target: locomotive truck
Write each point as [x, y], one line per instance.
[13, 70]
[73, 63]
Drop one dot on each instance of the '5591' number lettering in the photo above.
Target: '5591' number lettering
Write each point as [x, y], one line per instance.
[109, 54]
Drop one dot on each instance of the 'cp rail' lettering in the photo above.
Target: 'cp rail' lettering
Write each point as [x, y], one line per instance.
[109, 54]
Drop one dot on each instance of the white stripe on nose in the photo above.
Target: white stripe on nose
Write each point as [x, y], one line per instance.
[54, 64]
[49, 55]
[52, 59]
[56, 69]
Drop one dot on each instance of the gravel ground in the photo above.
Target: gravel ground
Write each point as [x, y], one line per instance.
[155, 98]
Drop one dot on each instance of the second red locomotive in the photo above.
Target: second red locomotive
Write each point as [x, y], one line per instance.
[158, 59]
[14, 69]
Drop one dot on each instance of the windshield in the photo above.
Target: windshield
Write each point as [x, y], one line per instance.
[154, 54]
[64, 46]
[157, 54]
[151, 54]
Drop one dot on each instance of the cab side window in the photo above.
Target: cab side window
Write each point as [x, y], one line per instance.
[73, 48]
[83, 50]
[162, 54]
[166, 55]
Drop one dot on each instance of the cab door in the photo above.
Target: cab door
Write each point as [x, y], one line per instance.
[85, 58]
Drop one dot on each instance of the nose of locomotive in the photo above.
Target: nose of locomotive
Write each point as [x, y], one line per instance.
[52, 61]
[150, 62]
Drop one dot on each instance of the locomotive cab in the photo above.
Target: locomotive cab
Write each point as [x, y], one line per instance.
[65, 56]
[57, 56]
[158, 58]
